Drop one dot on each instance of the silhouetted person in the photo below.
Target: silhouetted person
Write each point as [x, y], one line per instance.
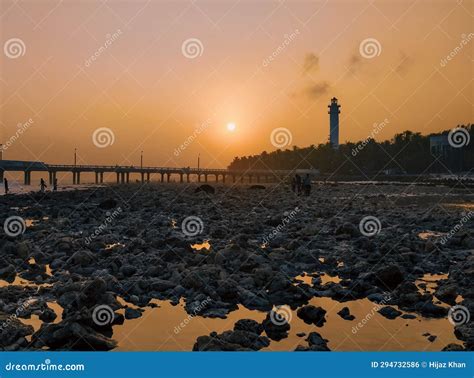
[307, 185]
[298, 183]
[43, 186]
[5, 183]
[55, 185]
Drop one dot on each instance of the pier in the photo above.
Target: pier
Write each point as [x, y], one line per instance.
[124, 173]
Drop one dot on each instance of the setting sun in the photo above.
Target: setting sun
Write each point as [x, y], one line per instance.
[231, 126]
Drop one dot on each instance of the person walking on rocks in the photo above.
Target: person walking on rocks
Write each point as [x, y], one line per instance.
[43, 186]
[55, 185]
[298, 184]
[307, 185]
[5, 183]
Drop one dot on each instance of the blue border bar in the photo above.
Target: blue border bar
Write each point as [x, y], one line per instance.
[239, 364]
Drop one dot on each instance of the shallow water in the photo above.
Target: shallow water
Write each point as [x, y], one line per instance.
[170, 328]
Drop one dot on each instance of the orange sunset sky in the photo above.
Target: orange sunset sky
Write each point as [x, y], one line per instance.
[153, 97]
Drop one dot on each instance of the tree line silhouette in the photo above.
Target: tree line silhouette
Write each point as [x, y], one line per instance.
[408, 152]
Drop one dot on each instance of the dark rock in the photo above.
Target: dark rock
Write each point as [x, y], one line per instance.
[408, 316]
[48, 315]
[8, 273]
[312, 315]
[205, 188]
[453, 348]
[132, 313]
[345, 314]
[248, 325]
[236, 340]
[258, 187]
[432, 338]
[389, 312]
[317, 343]
[128, 270]
[389, 277]
[276, 326]
[108, 204]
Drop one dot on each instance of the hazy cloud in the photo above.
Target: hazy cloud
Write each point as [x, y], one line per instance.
[316, 90]
[311, 63]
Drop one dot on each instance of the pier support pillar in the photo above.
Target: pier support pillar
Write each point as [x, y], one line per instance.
[199, 177]
[181, 177]
[27, 178]
[162, 177]
[118, 177]
[143, 177]
[101, 177]
[128, 177]
[217, 178]
[187, 178]
[148, 177]
[50, 178]
[78, 178]
[205, 178]
[168, 175]
[96, 177]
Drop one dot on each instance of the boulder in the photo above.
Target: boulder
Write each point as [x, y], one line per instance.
[312, 315]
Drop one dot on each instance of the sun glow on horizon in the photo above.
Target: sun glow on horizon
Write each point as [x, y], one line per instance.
[231, 126]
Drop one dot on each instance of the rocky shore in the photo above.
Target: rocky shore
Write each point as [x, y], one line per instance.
[90, 250]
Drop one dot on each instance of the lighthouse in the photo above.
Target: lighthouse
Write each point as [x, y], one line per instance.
[334, 122]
